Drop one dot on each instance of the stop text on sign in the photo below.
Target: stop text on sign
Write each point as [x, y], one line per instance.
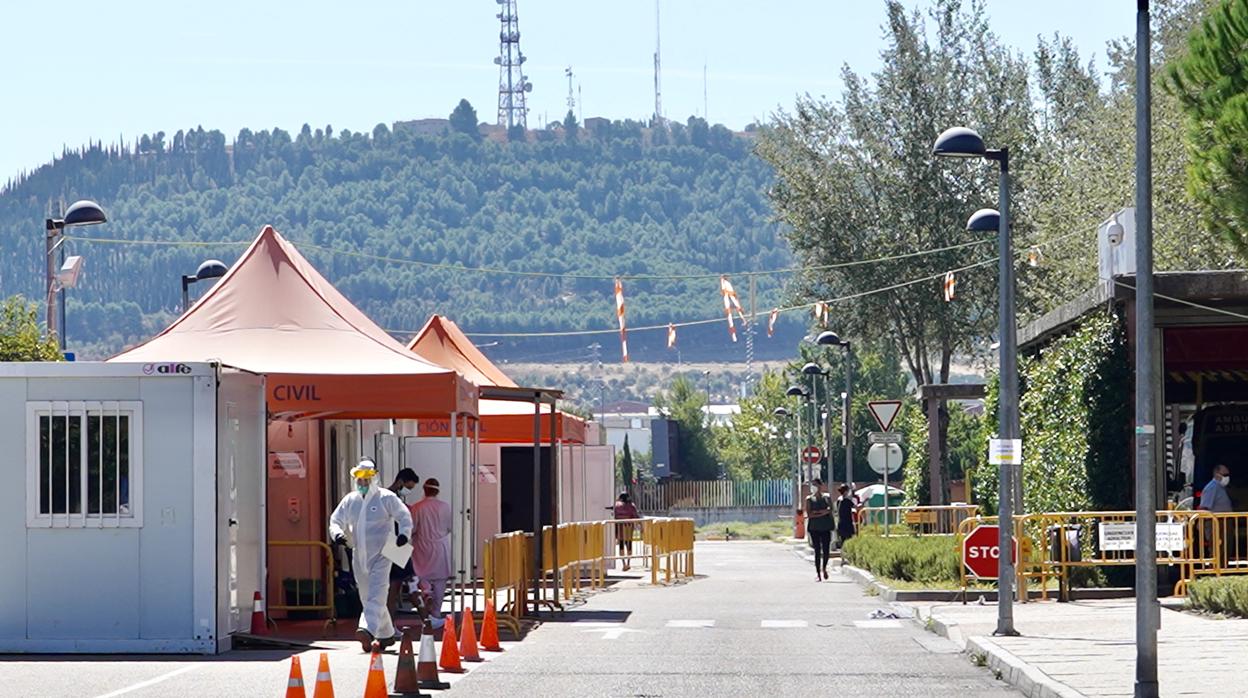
[981, 552]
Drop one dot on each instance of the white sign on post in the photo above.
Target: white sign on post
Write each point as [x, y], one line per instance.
[1120, 535]
[884, 411]
[1005, 451]
[885, 458]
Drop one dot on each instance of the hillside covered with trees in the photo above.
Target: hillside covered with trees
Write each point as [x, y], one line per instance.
[393, 216]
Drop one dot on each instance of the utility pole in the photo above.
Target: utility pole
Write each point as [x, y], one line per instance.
[658, 71]
[1147, 613]
[571, 102]
[602, 402]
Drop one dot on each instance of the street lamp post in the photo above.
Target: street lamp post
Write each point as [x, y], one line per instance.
[813, 369]
[82, 212]
[784, 414]
[706, 377]
[833, 340]
[959, 142]
[210, 269]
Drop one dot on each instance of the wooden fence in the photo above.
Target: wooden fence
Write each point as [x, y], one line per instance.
[663, 496]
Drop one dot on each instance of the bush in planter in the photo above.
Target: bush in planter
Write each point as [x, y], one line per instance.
[1227, 595]
[904, 557]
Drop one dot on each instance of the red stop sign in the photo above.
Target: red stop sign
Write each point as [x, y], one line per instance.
[981, 552]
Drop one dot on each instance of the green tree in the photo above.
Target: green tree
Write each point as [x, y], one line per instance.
[756, 444]
[857, 179]
[570, 126]
[21, 338]
[683, 403]
[1211, 82]
[626, 467]
[464, 120]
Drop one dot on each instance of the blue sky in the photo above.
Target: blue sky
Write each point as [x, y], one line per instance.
[78, 70]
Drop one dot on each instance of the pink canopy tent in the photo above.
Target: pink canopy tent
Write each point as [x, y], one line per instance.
[274, 314]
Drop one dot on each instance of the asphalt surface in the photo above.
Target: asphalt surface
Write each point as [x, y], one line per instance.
[753, 622]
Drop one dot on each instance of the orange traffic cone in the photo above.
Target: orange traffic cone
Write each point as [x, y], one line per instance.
[450, 652]
[489, 629]
[427, 663]
[406, 682]
[468, 639]
[376, 685]
[259, 626]
[294, 685]
[324, 684]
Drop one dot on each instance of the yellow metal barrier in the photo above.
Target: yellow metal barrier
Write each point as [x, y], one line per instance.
[505, 570]
[1221, 539]
[326, 584]
[671, 547]
[940, 520]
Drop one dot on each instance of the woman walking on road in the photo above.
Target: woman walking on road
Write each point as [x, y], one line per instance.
[819, 524]
[625, 509]
[844, 514]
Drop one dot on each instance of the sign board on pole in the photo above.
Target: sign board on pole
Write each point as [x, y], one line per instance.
[885, 458]
[811, 454]
[981, 553]
[883, 437]
[1120, 535]
[1005, 451]
[884, 411]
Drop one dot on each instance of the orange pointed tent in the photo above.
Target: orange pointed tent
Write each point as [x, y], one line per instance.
[274, 314]
[508, 420]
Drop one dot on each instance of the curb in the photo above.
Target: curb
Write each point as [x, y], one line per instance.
[1027, 679]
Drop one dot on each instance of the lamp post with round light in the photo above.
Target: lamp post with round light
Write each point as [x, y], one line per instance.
[813, 369]
[959, 142]
[209, 269]
[831, 339]
[80, 213]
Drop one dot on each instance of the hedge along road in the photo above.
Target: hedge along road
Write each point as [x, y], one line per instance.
[755, 619]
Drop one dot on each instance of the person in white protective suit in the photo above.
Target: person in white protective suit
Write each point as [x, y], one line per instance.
[364, 520]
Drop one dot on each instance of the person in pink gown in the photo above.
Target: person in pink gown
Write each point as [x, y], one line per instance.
[431, 546]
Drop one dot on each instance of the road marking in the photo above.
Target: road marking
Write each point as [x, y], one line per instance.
[610, 633]
[878, 624]
[690, 623]
[784, 624]
[149, 682]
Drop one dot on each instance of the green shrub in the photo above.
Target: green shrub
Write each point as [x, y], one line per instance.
[905, 558]
[1227, 595]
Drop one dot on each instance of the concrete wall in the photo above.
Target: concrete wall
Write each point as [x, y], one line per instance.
[711, 515]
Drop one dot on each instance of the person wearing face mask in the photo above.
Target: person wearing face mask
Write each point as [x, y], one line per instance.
[364, 520]
[404, 486]
[1214, 497]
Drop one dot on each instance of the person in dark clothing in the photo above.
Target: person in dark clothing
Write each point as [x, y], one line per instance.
[819, 524]
[844, 514]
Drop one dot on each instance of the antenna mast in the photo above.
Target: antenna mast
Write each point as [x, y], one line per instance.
[658, 70]
[513, 84]
[571, 101]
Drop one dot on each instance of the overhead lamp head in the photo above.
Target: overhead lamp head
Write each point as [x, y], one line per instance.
[829, 338]
[84, 213]
[959, 142]
[795, 391]
[780, 412]
[812, 369]
[984, 220]
[211, 269]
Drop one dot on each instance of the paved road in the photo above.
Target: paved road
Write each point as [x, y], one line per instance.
[756, 623]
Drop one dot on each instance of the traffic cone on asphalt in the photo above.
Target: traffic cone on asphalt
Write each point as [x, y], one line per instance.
[376, 685]
[427, 663]
[468, 639]
[449, 660]
[259, 626]
[294, 685]
[406, 682]
[489, 629]
[324, 684]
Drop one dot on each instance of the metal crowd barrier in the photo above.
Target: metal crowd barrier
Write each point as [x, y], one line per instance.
[671, 547]
[326, 584]
[924, 520]
[505, 570]
[1220, 540]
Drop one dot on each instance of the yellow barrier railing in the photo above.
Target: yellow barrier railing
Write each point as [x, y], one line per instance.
[1221, 539]
[671, 547]
[326, 584]
[942, 520]
[505, 570]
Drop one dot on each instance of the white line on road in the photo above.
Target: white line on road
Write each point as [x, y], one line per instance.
[610, 633]
[690, 623]
[784, 624]
[149, 682]
[877, 624]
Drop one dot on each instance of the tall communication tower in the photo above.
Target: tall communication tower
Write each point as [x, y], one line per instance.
[658, 70]
[571, 101]
[513, 85]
